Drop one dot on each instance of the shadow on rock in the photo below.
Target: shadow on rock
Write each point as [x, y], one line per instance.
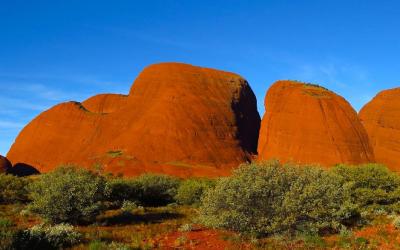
[22, 169]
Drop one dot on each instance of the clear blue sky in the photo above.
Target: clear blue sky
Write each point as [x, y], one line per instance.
[54, 51]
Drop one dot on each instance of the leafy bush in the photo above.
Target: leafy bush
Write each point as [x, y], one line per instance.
[269, 198]
[147, 189]
[46, 237]
[68, 194]
[128, 206]
[373, 186]
[396, 222]
[7, 234]
[13, 189]
[157, 189]
[190, 191]
[124, 190]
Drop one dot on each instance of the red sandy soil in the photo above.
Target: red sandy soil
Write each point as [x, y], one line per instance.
[178, 119]
[5, 164]
[381, 118]
[198, 239]
[309, 124]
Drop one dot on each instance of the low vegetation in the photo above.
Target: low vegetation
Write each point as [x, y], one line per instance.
[268, 198]
[147, 189]
[190, 191]
[373, 187]
[68, 194]
[13, 189]
[263, 205]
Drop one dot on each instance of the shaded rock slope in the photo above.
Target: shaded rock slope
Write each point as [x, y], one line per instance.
[5, 164]
[177, 119]
[381, 118]
[305, 123]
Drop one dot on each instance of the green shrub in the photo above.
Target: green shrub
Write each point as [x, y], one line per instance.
[124, 190]
[7, 234]
[46, 237]
[190, 191]
[396, 222]
[128, 206]
[13, 189]
[373, 186]
[147, 189]
[269, 198]
[157, 189]
[68, 194]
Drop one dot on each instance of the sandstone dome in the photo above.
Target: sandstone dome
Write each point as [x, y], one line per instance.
[381, 119]
[178, 119]
[308, 124]
[5, 164]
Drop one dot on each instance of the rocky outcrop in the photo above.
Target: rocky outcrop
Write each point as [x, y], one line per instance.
[177, 119]
[306, 123]
[5, 164]
[381, 118]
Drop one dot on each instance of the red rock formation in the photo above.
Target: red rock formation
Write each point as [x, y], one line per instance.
[5, 164]
[305, 123]
[178, 119]
[105, 103]
[381, 119]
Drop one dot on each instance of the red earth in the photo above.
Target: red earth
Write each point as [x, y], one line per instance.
[178, 119]
[308, 124]
[381, 118]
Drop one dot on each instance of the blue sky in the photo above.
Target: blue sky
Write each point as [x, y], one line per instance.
[55, 51]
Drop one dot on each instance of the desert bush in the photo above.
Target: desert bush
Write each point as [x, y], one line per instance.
[157, 189]
[124, 190]
[13, 189]
[128, 206]
[68, 194]
[190, 191]
[268, 198]
[7, 234]
[396, 222]
[373, 187]
[147, 189]
[46, 237]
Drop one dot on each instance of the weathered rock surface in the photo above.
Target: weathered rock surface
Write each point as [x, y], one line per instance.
[381, 119]
[5, 164]
[178, 119]
[305, 123]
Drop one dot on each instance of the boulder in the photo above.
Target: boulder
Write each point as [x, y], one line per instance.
[5, 164]
[381, 119]
[308, 124]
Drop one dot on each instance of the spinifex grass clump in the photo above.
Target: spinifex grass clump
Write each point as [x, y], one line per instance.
[269, 198]
[68, 194]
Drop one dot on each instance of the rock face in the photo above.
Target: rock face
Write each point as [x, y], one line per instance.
[177, 119]
[5, 164]
[305, 123]
[381, 119]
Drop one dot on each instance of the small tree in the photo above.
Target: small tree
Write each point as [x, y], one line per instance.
[68, 194]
